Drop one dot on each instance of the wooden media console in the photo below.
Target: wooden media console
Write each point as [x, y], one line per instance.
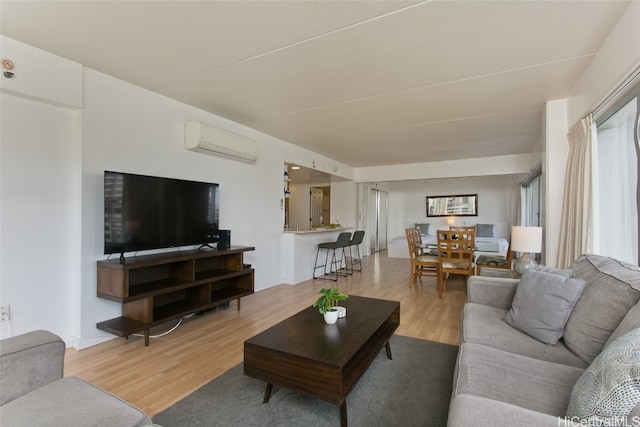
[154, 289]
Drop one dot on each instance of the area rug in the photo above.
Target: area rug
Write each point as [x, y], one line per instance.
[413, 389]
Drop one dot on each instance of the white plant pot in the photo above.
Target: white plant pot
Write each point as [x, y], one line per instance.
[331, 317]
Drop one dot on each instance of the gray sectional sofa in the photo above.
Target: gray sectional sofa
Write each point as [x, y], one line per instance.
[33, 391]
[590, 375]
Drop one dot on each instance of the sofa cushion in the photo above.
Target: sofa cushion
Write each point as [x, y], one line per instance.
[610, 388]
[482, 324]
[630, 322]
[66, 399]
[470, 410]
[611, 288]
[514, 379]
[542, 305]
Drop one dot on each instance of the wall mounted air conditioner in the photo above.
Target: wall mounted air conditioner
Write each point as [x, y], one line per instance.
[218, 142]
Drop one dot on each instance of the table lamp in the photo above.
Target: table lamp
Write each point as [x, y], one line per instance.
[526, 240]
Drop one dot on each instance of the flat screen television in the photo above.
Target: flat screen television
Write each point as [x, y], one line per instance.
[147, 212]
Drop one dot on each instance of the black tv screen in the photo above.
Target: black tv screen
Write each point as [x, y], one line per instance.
[147, 212]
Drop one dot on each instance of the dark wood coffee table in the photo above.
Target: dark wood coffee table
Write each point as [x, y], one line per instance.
[304, 354]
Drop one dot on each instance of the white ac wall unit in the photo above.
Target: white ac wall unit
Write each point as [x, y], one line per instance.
[218, 142]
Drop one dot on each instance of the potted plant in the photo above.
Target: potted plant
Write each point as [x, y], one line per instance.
[327, 303]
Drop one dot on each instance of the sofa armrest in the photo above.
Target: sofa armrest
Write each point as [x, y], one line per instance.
[29, 361]
[491, 291]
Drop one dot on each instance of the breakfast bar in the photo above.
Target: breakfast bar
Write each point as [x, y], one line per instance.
[299, 251]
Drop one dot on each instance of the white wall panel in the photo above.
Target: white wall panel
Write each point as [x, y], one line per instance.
[39, 216]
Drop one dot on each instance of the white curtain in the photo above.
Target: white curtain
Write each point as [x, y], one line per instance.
[576, 229]
[617, 185]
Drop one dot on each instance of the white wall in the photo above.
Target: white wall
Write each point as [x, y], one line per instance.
[39, 216]
[344, 203]
[554, 165]
[40, 191]
[497, 199]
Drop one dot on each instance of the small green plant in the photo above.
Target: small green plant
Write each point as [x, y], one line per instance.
[329, 299]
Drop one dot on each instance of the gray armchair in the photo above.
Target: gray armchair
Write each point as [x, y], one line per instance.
[33, 391]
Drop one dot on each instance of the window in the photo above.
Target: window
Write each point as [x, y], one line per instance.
[616, 180]
[530, 202]
[530, 196]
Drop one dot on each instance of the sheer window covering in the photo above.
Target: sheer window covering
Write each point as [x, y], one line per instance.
[602, 183]
[617, 185]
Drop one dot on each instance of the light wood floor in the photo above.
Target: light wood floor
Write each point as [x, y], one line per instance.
[204, 347]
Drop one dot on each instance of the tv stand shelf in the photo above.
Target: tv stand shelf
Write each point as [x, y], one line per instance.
[154, 289]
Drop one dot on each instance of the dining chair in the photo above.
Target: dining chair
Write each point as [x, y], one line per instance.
[495, 261]
[455, 255]
[421, 262]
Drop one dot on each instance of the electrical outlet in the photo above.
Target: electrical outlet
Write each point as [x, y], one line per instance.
[5, 313]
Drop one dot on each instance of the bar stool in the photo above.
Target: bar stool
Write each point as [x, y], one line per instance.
[334, 268]
[356, 240]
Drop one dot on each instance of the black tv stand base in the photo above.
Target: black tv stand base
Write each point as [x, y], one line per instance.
[206, 245]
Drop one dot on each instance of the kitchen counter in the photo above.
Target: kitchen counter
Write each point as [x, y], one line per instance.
[317, 230]
[299, 251]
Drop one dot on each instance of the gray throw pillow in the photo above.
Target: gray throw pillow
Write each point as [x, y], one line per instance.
[485, 230]
[424, 228]
[609, 390]
[568, 273]
[542, 305]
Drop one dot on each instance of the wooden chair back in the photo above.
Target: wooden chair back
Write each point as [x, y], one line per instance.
[421, 264]
[455, 253]
[414, 240]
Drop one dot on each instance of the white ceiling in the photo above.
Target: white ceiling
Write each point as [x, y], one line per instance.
[363, 82]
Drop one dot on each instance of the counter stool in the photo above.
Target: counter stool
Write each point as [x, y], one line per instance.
[356, 240]
[335, 265]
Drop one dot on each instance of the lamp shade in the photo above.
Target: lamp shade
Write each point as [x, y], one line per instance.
[526, 239]
[451, 220]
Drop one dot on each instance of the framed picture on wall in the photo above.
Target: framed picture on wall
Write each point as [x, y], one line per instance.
[462, 205]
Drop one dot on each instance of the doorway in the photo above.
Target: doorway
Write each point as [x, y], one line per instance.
[377, 223]
[320, 207]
